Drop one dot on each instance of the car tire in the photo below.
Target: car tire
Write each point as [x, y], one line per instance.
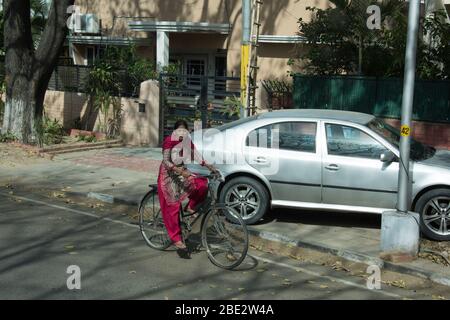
[428, 226]
[257, 194]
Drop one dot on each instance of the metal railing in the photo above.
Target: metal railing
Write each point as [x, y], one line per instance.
[194, 97]
[75, 78]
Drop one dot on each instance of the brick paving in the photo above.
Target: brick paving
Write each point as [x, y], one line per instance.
[119, 160]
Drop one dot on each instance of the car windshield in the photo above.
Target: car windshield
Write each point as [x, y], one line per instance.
[419, 151]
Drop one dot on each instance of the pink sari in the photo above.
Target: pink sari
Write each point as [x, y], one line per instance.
[173, 188]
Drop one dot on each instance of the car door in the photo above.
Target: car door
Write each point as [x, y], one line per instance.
[286, 153]
[353, 173]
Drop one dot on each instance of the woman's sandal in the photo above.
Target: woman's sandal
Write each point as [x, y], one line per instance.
[183, 252]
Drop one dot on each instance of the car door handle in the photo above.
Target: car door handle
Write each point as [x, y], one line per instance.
[332, 167]
[261, 160]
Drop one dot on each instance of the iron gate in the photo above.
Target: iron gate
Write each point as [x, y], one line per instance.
[208, 100]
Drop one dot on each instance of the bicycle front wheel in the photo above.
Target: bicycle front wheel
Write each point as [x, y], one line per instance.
[151, 222]
[225, 242]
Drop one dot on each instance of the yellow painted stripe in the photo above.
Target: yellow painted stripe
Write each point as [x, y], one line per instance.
[245, 52]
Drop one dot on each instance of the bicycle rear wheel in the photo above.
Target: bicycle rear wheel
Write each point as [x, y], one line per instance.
[225, 242]
[151, 222]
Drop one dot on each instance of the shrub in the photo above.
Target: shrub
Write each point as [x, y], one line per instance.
[48, 131]
[7, 137]
[89, 138]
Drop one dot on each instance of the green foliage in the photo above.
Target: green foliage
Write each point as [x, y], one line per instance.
[233, 106]
[118, 70]
[48, 132]
[341, 43]
[435, 57]
[7, 137]
[87, 138]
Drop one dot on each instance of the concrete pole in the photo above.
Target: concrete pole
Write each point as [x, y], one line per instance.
[407, 105]
[245, 52]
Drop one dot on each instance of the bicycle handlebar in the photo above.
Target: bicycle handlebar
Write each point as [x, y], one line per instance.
[218, 175]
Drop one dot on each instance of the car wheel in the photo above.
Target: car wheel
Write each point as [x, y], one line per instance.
[247, 197]
[434, 210]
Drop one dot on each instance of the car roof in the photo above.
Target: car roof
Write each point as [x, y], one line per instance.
[356, 117]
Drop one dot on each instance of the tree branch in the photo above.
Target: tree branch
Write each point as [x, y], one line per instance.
[18, 37]
[52, 38]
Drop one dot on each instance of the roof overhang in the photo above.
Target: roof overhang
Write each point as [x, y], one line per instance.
[96, 40]
[176, 26]
[281, 39]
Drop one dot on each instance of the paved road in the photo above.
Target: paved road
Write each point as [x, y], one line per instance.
[41, 238]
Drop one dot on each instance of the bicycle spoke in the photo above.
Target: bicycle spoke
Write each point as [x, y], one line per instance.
[152, 225]
[225, 247]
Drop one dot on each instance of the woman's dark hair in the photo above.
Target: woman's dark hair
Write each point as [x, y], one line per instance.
[180, 123]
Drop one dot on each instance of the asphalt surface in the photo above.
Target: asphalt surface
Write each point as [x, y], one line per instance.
[41, 238]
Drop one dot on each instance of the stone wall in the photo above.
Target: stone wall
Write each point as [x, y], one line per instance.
[431, 133]
[138, 128]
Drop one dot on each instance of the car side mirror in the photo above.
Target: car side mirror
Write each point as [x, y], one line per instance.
[387, 156]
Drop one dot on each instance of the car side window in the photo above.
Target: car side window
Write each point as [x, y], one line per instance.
[352, 142]
[294, 136]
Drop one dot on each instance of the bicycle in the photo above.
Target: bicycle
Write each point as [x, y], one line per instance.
[224, 234]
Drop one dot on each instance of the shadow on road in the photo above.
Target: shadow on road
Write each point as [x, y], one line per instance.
[323, 218]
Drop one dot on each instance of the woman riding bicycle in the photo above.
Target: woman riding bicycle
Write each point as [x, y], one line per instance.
[176, 183]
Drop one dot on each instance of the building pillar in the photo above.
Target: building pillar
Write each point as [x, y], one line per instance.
[162, 50]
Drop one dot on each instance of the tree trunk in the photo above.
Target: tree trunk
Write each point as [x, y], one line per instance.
[20, 110]
[28, 70]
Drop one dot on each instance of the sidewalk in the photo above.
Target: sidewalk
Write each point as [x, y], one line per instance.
[122, 176]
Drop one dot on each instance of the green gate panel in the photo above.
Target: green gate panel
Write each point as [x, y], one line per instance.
[378, 96]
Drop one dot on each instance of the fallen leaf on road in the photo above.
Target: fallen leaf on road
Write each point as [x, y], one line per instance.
[396, 283]
[241, 289]
[58, 195]
[322, 286]
[339, 267]
[229, 289]
[132, 272]
[287, 282]
[437, 297]
[212, 286]
[261, 270]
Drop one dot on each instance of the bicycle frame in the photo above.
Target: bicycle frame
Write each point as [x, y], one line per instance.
[210, 201]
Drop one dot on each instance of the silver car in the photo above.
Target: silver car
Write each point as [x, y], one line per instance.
[326, 160]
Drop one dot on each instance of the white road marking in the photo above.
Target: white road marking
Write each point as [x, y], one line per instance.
[92, 215]
[280, 264]
[331, 278]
